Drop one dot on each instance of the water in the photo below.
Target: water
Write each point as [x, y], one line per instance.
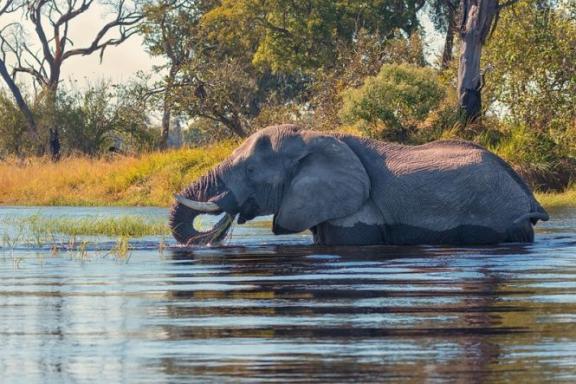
[275, 309]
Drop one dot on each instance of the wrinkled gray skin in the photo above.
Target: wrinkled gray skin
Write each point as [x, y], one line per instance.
[354, 191]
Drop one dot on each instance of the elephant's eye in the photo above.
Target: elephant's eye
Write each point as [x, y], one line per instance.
[251, 169]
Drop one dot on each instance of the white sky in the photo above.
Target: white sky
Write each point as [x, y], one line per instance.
[123, 62]
[119, 63]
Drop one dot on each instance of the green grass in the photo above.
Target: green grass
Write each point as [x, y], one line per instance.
[566, 199]
[126, 226]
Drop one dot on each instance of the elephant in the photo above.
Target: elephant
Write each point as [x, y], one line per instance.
[350, 190]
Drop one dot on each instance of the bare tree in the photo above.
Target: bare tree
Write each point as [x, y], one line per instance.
[7, 7]
[479, 19]
[42, 55]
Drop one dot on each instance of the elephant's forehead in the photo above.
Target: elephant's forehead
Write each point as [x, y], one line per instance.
[285, 138]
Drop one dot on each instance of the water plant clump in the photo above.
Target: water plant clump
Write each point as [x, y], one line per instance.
[41, 228]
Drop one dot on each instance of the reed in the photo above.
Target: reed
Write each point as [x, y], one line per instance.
[38, 228]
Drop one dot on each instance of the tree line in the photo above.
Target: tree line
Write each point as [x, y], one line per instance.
[505, 76]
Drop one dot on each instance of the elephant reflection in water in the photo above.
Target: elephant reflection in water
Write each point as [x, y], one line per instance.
[355, 191]
[338, 326]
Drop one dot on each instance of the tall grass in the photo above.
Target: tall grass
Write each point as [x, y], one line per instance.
[566, 199]
[147, 180]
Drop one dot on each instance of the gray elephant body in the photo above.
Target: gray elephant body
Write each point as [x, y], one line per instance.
[354, 191]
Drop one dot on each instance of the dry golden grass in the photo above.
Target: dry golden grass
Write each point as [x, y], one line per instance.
[566, 199]
[150, 179]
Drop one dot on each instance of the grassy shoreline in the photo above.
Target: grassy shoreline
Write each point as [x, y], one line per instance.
[147, 180]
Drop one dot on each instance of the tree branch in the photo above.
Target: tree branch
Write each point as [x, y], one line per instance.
[37, 75]
[72, 13]
[130, 21]
[35, 13]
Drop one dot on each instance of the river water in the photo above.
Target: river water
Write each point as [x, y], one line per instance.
[276, 309]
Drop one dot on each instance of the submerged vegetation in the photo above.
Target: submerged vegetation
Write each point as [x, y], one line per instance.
[80, 237]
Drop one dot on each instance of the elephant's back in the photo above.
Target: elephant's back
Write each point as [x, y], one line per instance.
[445, 184]
[438, 156]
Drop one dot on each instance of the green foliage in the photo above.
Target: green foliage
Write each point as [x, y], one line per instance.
[101, 118]
[532, 80]
[90, 122]
[355, 62]
[302, 35]
[537, 157]
[391, 104]
[12, 128]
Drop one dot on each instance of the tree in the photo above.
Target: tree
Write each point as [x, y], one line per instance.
[221, 90]
[42, 56]
[102, 118]
[292, 35]
[444, 14]
[478, 21]
[533, 81]
[11, 6]
[171, 30]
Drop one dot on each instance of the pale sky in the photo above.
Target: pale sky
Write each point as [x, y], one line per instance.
[123, 62]
[119, 63]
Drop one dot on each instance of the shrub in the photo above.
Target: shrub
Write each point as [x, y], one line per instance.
[12, 128]
[392, 104]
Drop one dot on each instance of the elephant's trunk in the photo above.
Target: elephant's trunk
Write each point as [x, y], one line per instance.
[208, 188]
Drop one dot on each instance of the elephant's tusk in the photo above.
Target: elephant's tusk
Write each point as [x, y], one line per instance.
[197, 205]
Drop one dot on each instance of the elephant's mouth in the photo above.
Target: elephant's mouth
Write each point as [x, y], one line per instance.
[248, 211]
[187, 210]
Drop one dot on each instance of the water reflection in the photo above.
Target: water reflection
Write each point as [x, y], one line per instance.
[296, 313]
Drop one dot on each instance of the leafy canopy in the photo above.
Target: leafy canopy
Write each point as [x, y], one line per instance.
[290, 35]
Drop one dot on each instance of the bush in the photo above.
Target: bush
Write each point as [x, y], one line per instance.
[100, 119]
[13, 138]
[394, 103]
[89, 122]
[539, 160]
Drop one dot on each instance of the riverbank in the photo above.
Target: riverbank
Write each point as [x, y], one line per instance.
[146, 180]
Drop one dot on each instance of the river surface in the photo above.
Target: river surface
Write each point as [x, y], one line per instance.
[263, 308]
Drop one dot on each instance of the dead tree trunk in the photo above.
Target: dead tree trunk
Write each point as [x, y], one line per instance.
[477, 19]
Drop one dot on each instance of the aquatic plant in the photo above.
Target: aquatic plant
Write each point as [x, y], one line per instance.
[42, 228]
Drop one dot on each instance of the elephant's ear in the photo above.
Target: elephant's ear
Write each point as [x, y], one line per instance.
[330, 183]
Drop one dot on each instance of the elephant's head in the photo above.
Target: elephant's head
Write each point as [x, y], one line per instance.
[303, 178]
